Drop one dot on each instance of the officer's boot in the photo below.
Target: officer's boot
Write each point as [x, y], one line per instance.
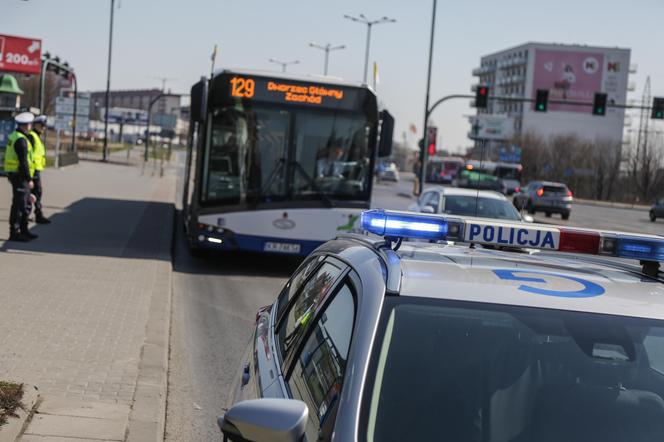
[15, 235]
[41, 219]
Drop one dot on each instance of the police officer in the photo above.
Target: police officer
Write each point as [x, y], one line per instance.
[20, 168]
[39, 159]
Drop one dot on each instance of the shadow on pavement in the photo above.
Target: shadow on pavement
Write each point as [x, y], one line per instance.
[211, 262]
[105, 227]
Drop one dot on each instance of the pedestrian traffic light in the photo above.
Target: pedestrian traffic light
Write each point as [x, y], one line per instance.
[599, 104]
[432, 136]
[541, 100]
[658, 108]
[481, 97]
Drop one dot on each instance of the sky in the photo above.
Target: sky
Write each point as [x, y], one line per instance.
[173, 39]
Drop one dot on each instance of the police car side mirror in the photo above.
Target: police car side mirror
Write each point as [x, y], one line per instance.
[428, 209]
[528, 219]
[259, 420]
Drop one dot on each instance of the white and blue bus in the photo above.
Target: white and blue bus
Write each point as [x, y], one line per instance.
[278, 163]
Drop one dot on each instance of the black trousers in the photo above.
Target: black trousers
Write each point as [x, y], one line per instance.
[37, 192]
[18, 214]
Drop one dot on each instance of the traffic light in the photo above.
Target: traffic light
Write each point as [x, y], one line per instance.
[657, 108]
[481, 97]
[432, 136]
[541, 100]
[599, 104]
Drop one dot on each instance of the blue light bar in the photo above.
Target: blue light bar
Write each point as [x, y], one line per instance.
[642, 248]
[404, 225]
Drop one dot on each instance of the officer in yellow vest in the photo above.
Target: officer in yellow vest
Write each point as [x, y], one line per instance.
[20, 168]
[39, 159]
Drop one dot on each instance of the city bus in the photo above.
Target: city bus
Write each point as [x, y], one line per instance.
[279, 163]
[443, 169]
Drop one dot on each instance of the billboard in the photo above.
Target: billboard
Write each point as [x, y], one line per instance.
[19, 54]
[568, 75]
[491, 127]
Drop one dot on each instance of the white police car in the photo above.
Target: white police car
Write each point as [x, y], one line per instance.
[375, 340]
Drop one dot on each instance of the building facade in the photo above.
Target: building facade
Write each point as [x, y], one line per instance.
[139, 99]
[570, 72]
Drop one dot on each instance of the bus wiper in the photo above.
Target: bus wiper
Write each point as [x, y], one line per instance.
[312, 183]
[277, 169]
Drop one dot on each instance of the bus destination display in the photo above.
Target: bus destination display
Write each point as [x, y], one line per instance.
[280, 91]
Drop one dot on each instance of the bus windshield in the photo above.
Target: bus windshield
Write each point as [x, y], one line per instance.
[253, 156]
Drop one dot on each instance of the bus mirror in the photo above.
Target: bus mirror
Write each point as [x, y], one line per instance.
[386, 134]
[198, 98]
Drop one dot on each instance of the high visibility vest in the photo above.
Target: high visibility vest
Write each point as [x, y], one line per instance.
[38, 151]
[11, 159]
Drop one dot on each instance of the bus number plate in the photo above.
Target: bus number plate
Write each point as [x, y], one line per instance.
[281, 247]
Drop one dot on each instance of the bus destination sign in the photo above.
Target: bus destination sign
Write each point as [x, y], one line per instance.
[280, 91]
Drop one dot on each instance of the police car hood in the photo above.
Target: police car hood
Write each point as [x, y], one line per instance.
[534, 279]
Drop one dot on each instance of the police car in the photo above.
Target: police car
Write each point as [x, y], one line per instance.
[376, 338]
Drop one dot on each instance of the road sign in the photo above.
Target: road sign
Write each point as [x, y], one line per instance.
[66, 123]
[19, 54]
[65, 105]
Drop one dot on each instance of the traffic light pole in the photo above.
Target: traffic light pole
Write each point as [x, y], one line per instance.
[425, 138]
[499, 98]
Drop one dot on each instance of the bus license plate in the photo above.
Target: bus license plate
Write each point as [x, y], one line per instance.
[281, 247]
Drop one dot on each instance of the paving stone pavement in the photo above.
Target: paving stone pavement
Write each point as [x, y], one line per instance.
[75, 303]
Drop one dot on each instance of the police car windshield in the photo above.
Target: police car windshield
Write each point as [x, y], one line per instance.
[483, 372]
[466, 205]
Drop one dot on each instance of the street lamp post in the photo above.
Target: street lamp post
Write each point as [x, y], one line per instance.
[108, 84]
[327, 48]
[369, 23]
[283, 64]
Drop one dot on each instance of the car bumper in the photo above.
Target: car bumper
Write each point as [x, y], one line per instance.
[229, 241]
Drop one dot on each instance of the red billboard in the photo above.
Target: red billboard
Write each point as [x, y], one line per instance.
[568, 75]
[19, 54]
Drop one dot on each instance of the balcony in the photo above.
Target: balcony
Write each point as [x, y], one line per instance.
[483, 70]
[511, 62]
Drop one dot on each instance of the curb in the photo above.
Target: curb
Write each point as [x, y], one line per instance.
[147, 418]
[585, 202]
[15, 427]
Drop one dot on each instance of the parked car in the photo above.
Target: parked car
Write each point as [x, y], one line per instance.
[545, 196]
[657, 210]
[467, 202]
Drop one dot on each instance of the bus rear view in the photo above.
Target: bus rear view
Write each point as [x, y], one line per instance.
[278, 163]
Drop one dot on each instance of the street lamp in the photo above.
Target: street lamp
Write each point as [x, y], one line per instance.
[108, 84]
[284, 63]
[369, 23]
[327, 48]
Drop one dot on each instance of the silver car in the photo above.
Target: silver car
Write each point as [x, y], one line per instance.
[372, 342]
[467, 202]
[545, 196]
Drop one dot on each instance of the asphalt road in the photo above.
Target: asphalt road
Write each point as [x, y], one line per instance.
[215, 299]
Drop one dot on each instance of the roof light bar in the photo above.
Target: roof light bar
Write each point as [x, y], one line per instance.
[394, 224]
[404, 225]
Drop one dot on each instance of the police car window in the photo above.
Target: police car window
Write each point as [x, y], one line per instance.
[482, 372]
[304, 305]
[318, 370]
[296, 282]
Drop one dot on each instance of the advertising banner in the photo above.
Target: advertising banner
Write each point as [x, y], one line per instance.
[568, 75]
[19, 54]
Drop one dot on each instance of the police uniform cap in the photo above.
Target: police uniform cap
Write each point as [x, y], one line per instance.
[41, 119]
[24, 118]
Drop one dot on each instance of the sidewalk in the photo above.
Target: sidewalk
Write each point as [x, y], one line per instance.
[84, 309]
